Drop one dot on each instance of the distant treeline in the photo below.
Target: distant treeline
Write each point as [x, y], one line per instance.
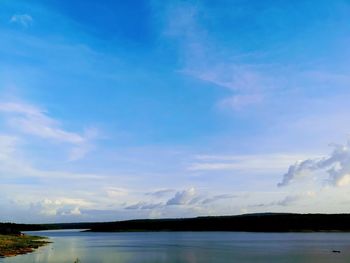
[249, 223]
[11, 228]
[268, 222]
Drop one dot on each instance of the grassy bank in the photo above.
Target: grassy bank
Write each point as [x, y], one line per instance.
[12, 245]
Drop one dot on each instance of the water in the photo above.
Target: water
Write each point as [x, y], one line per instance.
[189, 247]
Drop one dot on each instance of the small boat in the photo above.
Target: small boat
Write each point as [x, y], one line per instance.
[336, 251]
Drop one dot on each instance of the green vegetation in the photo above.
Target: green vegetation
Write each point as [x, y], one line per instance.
[11, 245]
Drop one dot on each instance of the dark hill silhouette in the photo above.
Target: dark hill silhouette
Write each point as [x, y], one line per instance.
[267, 222]
[263, 222]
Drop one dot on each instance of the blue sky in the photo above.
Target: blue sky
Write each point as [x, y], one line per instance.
[148, 109]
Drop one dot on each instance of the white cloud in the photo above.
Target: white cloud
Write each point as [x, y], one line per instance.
[217, 198]
[189, 199]
[116, 192]
[32, 120]
[145, 206]
[289, 200]
[22, 19]
[239, 102]
[13, 164]
[61, 206]
[183, 197]
[203, 60]
[7, 146]
[76, 211]
[231, 76]
[263, 162]
[337, 165]
[160, 193]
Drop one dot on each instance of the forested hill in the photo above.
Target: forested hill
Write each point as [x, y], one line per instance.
[11, 228]
[251, 223]
[268, 222]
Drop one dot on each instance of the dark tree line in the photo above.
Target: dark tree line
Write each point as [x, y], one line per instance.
[268, 222]
[249, 223]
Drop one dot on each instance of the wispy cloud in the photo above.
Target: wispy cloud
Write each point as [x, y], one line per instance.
[242, 79]
[288, 200]
[337, 165]
[144, 205]
[24, 20]
[31, 120]
[116, 192]
[7, 146]
[239, 102]
[218, 198]
[248, 86]
[203, 60]
[263, 162]
[13, 165]
[160, 193]
[35, 121]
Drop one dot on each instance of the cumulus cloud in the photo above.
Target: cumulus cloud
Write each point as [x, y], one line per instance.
[181, 201]
[24, 20]
[337, 166]
[60, 206]
[183, 197]
[32, 120]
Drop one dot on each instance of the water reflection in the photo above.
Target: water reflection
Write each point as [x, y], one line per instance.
[189, 247]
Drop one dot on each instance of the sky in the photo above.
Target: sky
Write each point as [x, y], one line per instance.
[113, 110]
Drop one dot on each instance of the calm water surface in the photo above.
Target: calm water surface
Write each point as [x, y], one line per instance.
[188, 247]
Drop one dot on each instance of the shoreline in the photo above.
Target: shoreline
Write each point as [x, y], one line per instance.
[13, 245]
